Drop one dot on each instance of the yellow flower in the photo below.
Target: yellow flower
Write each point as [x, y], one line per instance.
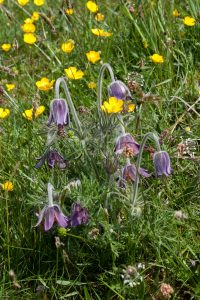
[10, 86]
[189, 21]
[35, 16]
[69, 11]
[93, 56]
[28, 114]
[73, 73]
[131, 107]
[112, 106]
[28, 28]
[92, 6]
[175, 13]
[38, 2]
[4, 112]
[44, 84]
[92, 85]
[68, 46]
[6, 47]
[1, 1]
[187, 129]
[28, 21]
[22, 2]
[7, 186]
[99, 17]
[156, 58]
[29, 38]
[145, 44]
[101, 32]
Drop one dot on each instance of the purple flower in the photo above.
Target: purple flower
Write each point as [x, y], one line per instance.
[79, 215]
[53, 158]
[162, 163]
[119, 90]
[129, 172]
[127, 145]
[59, 113]
[50, 215]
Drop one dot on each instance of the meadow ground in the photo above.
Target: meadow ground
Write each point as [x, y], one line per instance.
[97, 236]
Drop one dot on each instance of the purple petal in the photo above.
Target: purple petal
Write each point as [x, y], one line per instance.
[128, 144]
[162, 163]
[119, 90]
[144, 172]
[41, 215]
[61, 219]
[49, 218]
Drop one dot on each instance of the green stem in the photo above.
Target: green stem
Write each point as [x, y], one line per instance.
[62, 81]
[147, 136]
[100, 82]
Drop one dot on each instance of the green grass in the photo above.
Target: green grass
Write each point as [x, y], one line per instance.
[86, 266]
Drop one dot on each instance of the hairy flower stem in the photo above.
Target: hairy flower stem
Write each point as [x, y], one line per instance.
[62, 81]
[100, 82]
[147, 136]
[50, 193]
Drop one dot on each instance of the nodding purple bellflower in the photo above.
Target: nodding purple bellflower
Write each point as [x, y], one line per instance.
[162, 163]
[129, 172]
[119, 90]
[59, 114]
[79, 215]
[51, 213]
[127, 145]
[53, 159]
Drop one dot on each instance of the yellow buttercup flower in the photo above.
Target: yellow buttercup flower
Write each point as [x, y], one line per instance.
[28, 114]
[1, 1]
[112, 106]
[69, 11]
[6, 47]
[28, 28]
[100, 32]
[156, 58]
[10, 86]
[93, 56]
[4, 112]
[68, 46]
[22, 2]
[44, 84]
[189, 21]
[35, 16]
[92, 6]
[73, 73]
[39, 2]
[28, 21]
[29, 38]
[7, 186]
[92, 85]
[175, 13]
[131, 107]
[99, 17]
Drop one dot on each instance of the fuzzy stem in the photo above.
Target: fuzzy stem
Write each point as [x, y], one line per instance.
[147, 136]
[100, 82]
[62, 81]
[50, 193]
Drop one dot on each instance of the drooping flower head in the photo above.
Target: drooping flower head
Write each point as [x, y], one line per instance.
[127, 145]
[119, 90]
[53, 159]
[162, 163]
[129, 172]
[79, 215]
[59, 113]
[50, 215]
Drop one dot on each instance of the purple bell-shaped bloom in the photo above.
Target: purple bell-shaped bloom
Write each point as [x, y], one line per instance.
[119, 90]
[50, 215]
[127, 145]
[129, 172]
[162, 163]
[79, 215]
[53, 158]
[59, 113]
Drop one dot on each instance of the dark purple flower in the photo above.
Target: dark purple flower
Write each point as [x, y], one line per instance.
[162, 163]
[59, 113]
[127, 145]
[50, 215]
[129, 172]
[53, 158]
[119, 90]
[79, 215]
